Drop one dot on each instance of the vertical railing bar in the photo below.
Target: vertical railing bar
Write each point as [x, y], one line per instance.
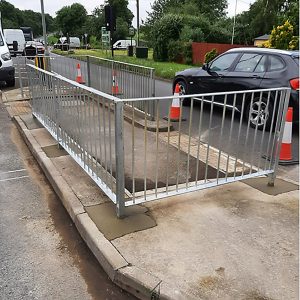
[100, 138]
[110, 147]
[156, 156]
[263, 133]
[239, 132]
[104, 135]
[230, 135]
[133, 151]
[221, 136]
[179, 145]
[255, 133]
[189, 143]
[145, 152]
[168, 148]
[271, 130]
[247, 133]
[208, 138]
[199, 140]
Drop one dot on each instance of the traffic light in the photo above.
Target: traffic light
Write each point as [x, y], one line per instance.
[110, 18]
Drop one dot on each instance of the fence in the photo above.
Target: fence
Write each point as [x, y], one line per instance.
[119, 79]
[133, 165]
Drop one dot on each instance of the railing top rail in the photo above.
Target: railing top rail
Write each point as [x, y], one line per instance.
[74, 83]
[197, 96]
[115, 61]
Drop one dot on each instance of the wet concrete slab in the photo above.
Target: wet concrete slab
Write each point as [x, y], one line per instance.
[30, 122]
[281, 186]
[54, 151]
[104, 216]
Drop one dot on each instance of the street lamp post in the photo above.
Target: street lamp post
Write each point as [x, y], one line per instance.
[44, 27]
[233, 28]
[138, 22]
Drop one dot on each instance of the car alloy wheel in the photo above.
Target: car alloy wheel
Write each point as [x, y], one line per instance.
[259, 113]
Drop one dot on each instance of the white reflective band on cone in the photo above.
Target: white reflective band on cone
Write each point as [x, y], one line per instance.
[176, 101]
[287, 133]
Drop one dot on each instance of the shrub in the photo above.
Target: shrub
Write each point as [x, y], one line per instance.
[209, 56]
[175, 51]
[188, 53]
[168, 28]
[192, 34]
[282, 37]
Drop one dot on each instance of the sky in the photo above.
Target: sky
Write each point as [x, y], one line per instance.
[51, 6]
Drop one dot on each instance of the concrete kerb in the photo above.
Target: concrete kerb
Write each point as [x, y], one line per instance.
[130, 278]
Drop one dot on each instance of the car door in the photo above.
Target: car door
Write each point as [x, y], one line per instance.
[247, 74]
[211, 81]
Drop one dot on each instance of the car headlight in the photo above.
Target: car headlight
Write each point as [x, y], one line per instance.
[6, 56]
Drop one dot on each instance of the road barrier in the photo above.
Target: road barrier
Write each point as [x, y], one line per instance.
[218, 144]
[133, 81]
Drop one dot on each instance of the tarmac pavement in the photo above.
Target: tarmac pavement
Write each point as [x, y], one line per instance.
[236, 241]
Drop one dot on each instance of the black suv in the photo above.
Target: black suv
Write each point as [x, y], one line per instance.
[245, 69]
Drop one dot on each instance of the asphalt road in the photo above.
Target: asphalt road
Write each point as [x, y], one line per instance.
[41, 254]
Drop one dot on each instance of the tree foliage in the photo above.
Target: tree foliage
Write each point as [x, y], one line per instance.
[263, 15]
[71, 19]
[15, 18]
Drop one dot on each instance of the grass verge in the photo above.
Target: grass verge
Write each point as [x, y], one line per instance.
[165, 70]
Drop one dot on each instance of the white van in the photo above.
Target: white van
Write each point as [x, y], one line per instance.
[74, 42]
[123, 44]
[7, 70]
[17, 35]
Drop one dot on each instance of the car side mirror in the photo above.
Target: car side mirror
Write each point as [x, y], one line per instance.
[15, 46]
[205, 67]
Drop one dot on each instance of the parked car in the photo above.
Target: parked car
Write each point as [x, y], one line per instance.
[33, 48]
[246, 69]
[7, 70]
[15, 35]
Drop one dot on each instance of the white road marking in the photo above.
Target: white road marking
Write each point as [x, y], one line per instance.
[19, 170]
[14, 178]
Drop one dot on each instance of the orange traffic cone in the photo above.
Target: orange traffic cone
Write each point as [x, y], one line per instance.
[79, 78]
[115, 87]
[175, 112]
[285, 156]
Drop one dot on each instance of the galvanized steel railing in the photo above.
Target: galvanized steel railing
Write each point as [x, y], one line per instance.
[129, 80]
[132, 165]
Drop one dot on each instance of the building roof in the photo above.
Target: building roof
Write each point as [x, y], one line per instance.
[263, 37]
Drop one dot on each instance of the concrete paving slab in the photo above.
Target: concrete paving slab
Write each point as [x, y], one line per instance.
[82, 185]
[54, 151]
[43, 137]
[30, 122]
[281, 186]
[230, 242]
[104, 216]
[15, 95]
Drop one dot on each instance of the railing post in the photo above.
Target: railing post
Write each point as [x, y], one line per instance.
[88, 70]
[20, 76]
[279, 132]
[119, 154]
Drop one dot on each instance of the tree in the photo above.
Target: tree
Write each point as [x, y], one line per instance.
[71, 19]
[123, 19]
[14, 18]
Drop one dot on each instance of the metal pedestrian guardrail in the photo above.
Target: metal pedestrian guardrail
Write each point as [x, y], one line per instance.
[216, 145]
[119, 79]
